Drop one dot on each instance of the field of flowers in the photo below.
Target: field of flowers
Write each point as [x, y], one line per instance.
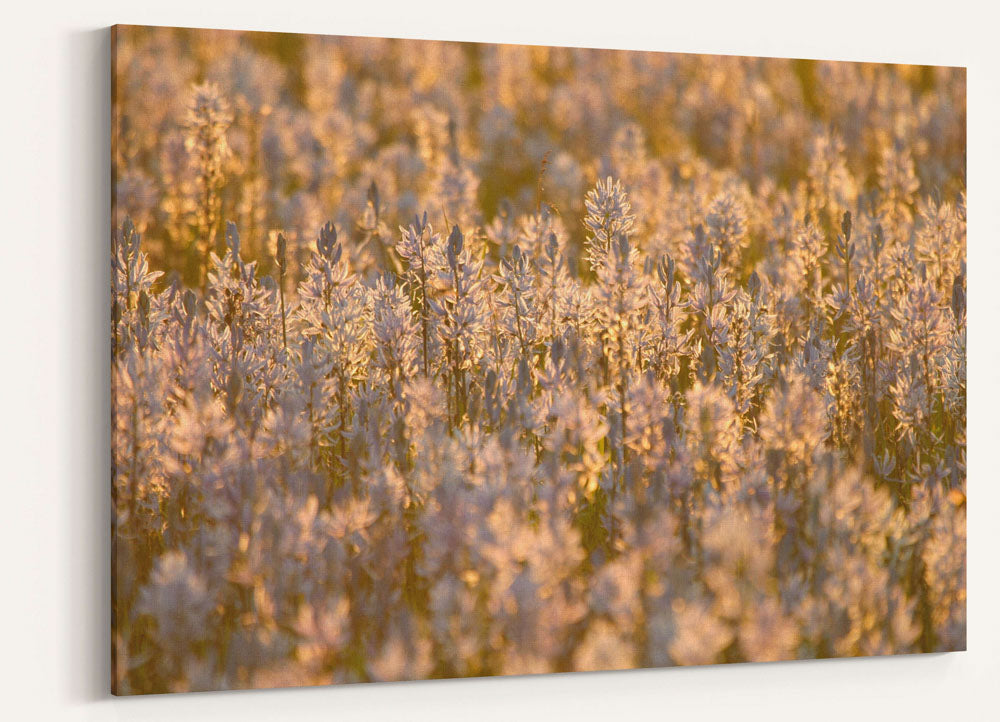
[437, 359]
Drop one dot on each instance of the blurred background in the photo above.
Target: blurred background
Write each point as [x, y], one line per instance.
[324, 128]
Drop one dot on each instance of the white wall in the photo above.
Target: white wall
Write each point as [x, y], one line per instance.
[53, 231]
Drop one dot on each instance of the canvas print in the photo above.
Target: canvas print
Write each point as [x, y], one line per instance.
[440, 359]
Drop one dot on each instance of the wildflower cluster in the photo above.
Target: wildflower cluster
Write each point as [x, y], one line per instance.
[520, 360]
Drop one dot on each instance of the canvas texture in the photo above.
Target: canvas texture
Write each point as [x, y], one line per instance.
[440, 359]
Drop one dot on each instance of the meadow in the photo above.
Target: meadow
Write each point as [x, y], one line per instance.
[441, 359]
